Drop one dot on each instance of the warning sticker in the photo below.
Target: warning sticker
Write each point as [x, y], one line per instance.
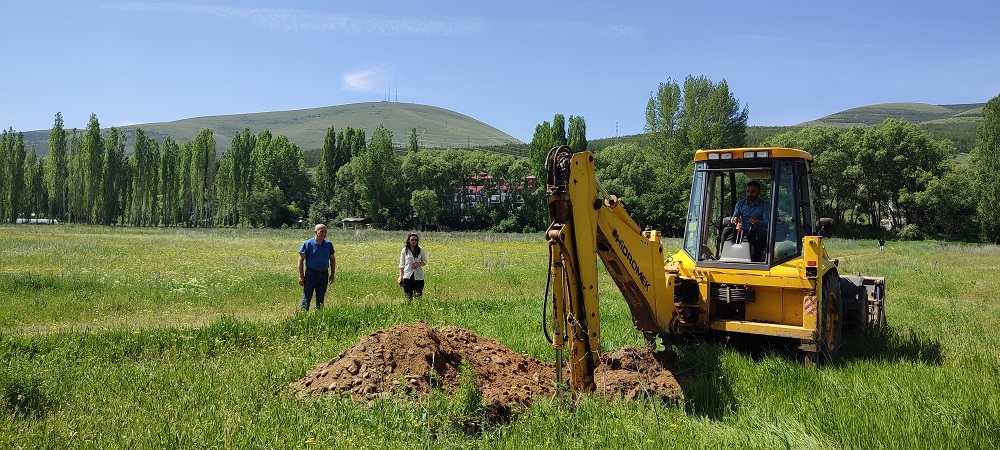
[809, 304]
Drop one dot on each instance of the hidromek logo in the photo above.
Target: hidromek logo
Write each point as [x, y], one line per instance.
[631, 261]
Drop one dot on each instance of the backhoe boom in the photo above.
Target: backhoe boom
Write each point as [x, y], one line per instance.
[584, 227]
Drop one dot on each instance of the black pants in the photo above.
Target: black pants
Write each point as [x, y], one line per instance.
[411, 287]
[315, 280]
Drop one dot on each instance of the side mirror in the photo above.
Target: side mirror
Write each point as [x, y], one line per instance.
[826, 226]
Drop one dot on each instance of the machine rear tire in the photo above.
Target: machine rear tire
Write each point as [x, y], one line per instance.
[854, 304]
[831, 323]
[876, 311]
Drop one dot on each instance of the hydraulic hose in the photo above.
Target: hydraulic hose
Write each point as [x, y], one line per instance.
[545, 298]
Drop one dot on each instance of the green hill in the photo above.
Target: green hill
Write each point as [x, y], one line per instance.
[442, 128]
[957, 123]
[919, 113]
[436, 127]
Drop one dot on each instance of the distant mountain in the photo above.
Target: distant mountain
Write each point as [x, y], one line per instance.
[957, 123]
[442, 128]
[919, 113]
[436, 127]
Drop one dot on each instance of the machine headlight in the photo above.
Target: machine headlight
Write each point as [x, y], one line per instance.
[748, 154]
[762, 154]
[713, 156]
[727, 156]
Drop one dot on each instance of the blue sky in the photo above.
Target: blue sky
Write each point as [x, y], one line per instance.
[511, 64]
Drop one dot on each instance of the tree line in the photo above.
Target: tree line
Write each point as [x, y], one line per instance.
[261, 180]
[890, 179]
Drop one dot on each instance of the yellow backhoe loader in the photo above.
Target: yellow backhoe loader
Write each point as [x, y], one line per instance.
[765, 274]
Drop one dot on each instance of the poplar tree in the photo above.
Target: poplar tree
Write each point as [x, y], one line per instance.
[358, 142]
[57, 170]
[344, 199]
[326, 172]
[377, 175]
[288, 172]
[202, 171]
[15, 155]
[76, 186]
[114, 175]
[346, 142]
[6, 155]
[34, 198]
[413, 141]
[145, 162]
[541, 143]
[234, 178]
[558, 130]
[342, 155]
[185, 201]
[169, 188]
[93, 154]
[224, 190]
[577, 134]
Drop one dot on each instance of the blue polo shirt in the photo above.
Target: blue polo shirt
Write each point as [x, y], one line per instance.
[317, 253]
[762, 211]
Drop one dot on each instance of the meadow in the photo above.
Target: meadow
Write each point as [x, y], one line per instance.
[180, 338]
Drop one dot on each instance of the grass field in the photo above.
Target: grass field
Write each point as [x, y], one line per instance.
[176, 338]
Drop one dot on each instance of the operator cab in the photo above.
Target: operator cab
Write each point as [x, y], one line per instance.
[784, 209]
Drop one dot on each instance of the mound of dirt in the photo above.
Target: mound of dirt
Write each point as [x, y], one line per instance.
[409, 358]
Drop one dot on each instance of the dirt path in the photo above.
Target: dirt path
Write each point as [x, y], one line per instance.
[399, 360]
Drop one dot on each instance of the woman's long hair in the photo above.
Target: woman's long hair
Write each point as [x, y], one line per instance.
[415, 248]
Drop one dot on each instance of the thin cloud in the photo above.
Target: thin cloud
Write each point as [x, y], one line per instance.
[619, 31]
[283, 19]
[609, 31]
[366, 80]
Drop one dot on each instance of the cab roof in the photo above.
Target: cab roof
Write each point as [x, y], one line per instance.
[752, 152]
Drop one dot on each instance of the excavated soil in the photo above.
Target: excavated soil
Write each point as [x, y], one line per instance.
[407, 359]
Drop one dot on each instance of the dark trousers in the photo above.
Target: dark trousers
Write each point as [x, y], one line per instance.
[315, 280]
[411, 287]
[758, 244]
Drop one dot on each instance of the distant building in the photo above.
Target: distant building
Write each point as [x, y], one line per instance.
[355, 223]
[35, 220]
[483, 189]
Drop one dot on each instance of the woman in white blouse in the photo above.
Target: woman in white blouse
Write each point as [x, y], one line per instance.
[411, 267]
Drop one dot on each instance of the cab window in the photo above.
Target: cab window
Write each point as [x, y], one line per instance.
[787, 221]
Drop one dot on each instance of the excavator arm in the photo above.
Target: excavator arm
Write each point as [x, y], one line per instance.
[587, 223]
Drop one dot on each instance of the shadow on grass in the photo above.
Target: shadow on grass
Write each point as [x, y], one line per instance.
[888, 344]
[883, 343]
[707, 391]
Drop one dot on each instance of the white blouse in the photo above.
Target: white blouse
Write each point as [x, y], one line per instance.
[406, 261]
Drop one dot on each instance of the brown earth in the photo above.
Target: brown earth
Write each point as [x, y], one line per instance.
[400, 360]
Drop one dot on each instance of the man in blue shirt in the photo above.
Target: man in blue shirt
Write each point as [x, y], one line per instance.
[316, 255]
[753, 214]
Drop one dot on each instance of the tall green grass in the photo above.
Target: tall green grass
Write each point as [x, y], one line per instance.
[136, 338]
